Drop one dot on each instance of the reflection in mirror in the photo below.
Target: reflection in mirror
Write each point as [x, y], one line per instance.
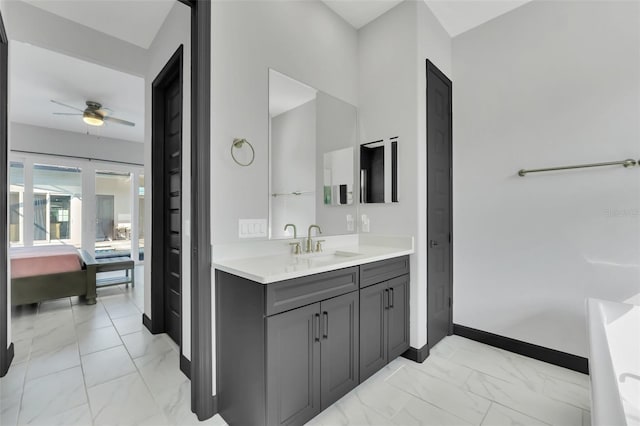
[338, 177]
[311, 140]
[379, 171]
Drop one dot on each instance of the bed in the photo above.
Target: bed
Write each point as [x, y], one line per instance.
[51, 272]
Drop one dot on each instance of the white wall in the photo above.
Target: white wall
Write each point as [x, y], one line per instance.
[25, 137]
[176, 30]
[392, 95]
[304, 40]
[550, 83]
[35, 26]
[293, 160]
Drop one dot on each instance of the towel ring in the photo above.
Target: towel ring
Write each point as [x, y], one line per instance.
[238, 143]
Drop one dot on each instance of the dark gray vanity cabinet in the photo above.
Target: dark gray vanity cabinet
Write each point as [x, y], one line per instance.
[384, 317]
[312, 358]
[286, 350]
[339, 347]
[293, 366]
[289, 349]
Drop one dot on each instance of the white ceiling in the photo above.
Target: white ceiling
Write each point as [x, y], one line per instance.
[38, 75]
[360, 12]
[285, 93]
[456, 16]
[136, 21]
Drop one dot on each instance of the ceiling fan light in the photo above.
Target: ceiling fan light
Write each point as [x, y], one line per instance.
[92, 118]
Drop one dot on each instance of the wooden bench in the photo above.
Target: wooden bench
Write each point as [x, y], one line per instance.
[109, 264]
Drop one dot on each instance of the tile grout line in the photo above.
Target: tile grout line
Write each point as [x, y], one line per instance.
[513, 408]
[138, 372]
[84, 379]
[28, 363]
[446, 382]
[524, 414]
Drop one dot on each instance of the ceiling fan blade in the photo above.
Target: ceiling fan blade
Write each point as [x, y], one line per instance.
[66, 113]
[68, 106]
[119, 121]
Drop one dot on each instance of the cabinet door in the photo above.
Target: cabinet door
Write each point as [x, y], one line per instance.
[339, 347]
[293, 366]
[398, 313]
[373, 329]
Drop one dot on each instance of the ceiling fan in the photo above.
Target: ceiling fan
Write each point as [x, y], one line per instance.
[94, 114]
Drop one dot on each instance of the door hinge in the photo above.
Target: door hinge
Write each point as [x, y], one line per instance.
[449, 236]
[450, 303]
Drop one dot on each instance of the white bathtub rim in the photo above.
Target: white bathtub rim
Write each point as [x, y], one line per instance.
[607, 406]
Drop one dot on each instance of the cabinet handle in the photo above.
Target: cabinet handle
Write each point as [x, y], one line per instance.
[326, 325]
[386, 298]
[316, 327]
[391, 297]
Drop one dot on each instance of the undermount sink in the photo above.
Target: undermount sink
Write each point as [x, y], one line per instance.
[328, 254]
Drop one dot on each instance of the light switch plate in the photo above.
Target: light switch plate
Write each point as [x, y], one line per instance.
[252, 228]
[365, 223]
[350, 223]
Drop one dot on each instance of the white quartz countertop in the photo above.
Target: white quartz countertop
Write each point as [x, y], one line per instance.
[277, 267]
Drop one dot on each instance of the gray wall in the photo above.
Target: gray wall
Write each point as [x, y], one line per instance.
[392, 93]
[293, 168]
[304, 40]
[25, 137]
[550, 83]
[175, 30]
[32, 25]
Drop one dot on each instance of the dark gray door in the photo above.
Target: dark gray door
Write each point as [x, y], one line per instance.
[104, 217]
[439, 172]
[373, 329]
[339, 347]
[5, 356]
[173, 218]
[293, 366]
[398, 313]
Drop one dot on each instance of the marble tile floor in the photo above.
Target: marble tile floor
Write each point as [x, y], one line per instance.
[97, 365]
[78, 364]
[464, 382]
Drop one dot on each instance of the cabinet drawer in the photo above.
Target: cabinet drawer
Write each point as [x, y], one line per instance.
[291, 294]
[373, 273]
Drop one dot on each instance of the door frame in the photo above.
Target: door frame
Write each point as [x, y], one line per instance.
[173, 68]
[203, 403]
[430, 67]
[6, 350]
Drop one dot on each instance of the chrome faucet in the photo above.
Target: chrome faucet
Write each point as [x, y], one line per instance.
[309, 242]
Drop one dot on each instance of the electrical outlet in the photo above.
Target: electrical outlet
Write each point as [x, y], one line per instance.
[365, 223]
[252, 228]
[350, 223]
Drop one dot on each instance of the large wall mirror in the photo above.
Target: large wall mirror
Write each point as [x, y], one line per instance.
[312, 137]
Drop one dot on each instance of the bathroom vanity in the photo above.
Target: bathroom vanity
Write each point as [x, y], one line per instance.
[288, 348]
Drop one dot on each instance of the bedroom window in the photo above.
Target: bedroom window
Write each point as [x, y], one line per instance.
[113, 213]
[57, 204]
[40, 230]
[16, 197]
[141, 217]
[59, 214]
